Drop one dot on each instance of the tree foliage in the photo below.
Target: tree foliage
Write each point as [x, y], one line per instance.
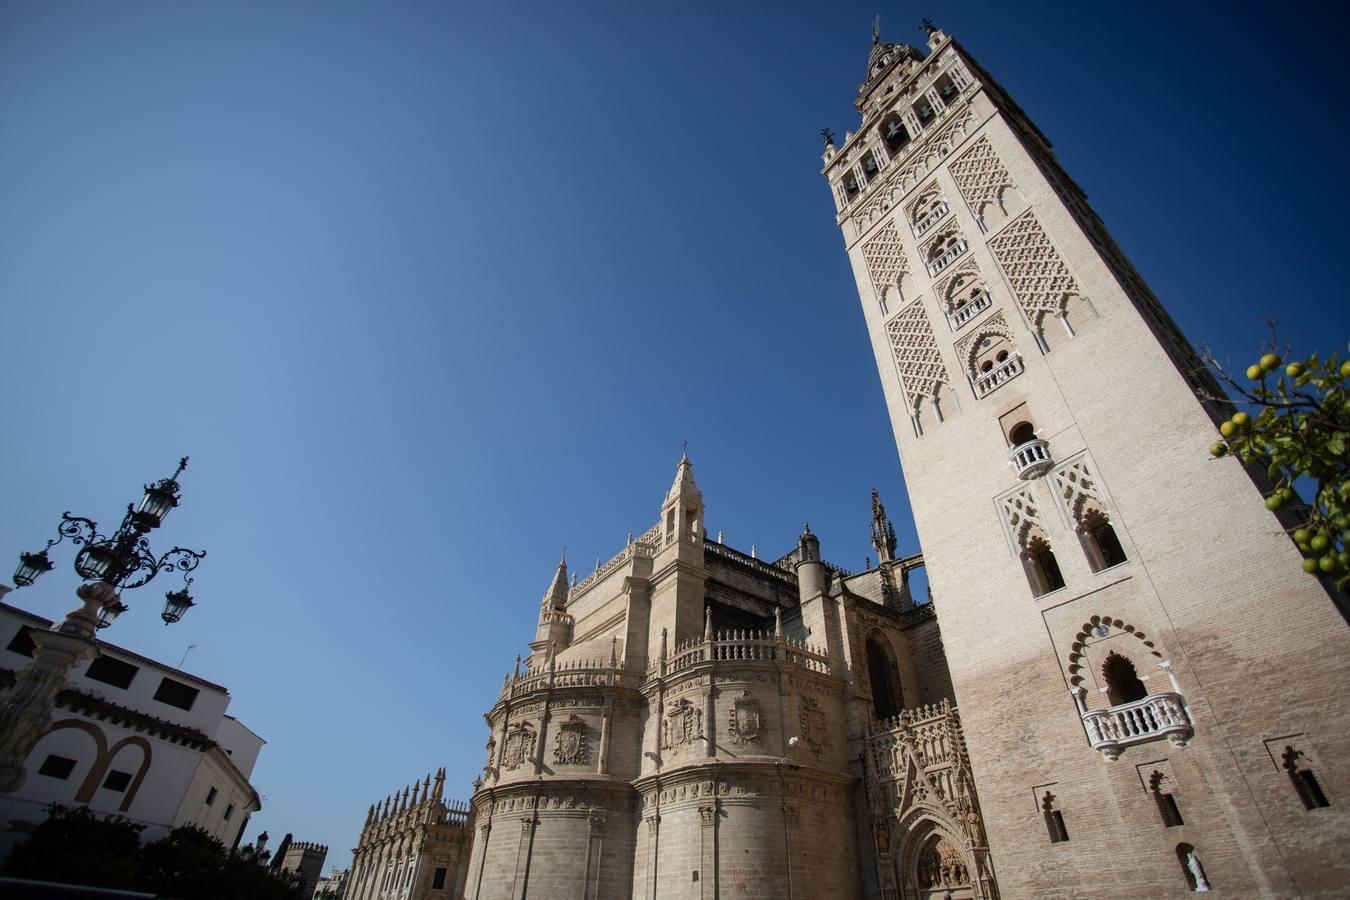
[1299, 436]
[75, 846]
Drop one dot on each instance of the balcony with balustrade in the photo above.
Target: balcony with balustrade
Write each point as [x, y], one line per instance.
[951, 255]
[1031, 459]
[1001, 374]
[930, 219]
[965, 313]
[1156, 717]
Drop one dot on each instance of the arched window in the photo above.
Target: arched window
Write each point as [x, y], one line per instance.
[1122, 681]
[1166, 803]
[1304, 781]
[894, 133]
[1054, 819]
[1021, 433]
[1041, 567]
[885, 680]
[1191, 869]
[1099, 540]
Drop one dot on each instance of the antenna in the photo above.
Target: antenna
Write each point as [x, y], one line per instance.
[189, 649]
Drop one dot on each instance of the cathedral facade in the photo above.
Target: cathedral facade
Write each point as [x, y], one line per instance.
[1134, 688]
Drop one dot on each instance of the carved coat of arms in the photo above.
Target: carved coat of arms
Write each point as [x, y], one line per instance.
[571, 749]
[683, 723]
[746, 723]
[812, 722]
[519, 745]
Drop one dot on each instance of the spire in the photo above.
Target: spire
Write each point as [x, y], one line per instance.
[556, 595]
[438, 789]
[370, 814]
[684, 486]
[881, 530]
[415, 788]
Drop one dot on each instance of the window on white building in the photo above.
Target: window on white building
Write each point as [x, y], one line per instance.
[117, 781]
[175, 693]
[57, 766]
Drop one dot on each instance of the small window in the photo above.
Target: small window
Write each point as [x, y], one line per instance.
[852, 186]
[175, 693]
[57, 767]
[229, 811]
[112, 671]
[1168, 809]
[1054, 819]
[925, 112]
[22, 643]
[1100, 543]
[870, 167]
[210, 796]
[946, 87]
[117, 781]
[1304, 781]
[1022, 433]
[438, 879]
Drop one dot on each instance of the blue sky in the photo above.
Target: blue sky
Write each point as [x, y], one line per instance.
[430, 290]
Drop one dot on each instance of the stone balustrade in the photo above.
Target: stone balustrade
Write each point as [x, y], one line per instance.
[964, 314]
[643, 546]
[999, 375]
[1030, 460]
[931, 219]
[1153, 718]
[758, 565]
[740, 646]
[572, 673]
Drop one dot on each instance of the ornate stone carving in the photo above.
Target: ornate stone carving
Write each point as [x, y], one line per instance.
[684, 723]
[885, 258]
[969, 347]
[943, 867]
[1077, 488]
[746, 723]
[980, 175]
[571, 749]
[1039, 278]
[922, 372]
[1022, 517]
[812, 721]
[708, 815]
[519, 745]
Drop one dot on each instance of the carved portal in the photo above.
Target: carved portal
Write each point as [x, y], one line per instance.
[746, 722]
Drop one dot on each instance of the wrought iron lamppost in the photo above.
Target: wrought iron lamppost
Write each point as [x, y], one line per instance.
[108, 565]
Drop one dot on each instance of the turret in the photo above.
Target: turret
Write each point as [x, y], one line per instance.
[682, 510]
[555, 625]
[810, 570]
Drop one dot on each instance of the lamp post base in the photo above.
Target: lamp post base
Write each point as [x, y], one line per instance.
[26, 711]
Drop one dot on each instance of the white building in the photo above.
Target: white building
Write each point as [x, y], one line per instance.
[132, 737]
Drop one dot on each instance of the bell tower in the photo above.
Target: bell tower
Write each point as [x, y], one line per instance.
[1132, 642]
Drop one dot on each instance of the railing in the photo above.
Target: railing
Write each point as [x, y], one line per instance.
[643, 546]
[977, 304]
[549, 616]
[931, 219]
[953, 253]
[736, 556]
[1031, 460]
[1155, 717]
[738, 646]
[1008, 370]
[574, 673]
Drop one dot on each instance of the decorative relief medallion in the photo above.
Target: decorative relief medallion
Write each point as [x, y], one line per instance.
[684, 723]
[519, 745]
[571, 749]
[746, 724]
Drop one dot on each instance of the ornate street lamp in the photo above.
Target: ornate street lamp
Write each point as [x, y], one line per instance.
[123, 560]
[109, 565]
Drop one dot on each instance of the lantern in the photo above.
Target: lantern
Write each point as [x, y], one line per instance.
[176, 604]
[107, 614]
[31, 565]
[155, 505]
[96, 561]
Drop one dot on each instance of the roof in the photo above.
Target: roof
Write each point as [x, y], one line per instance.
[104, 645]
